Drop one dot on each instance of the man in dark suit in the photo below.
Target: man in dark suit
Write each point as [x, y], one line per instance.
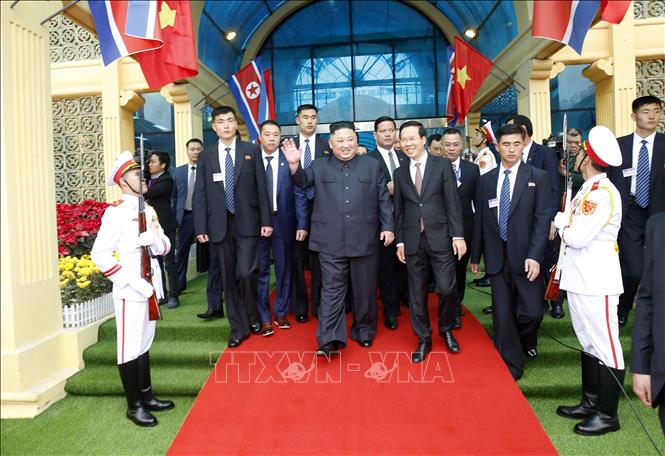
[510, 232]
[311, 147]
[641, 183]
[181, 202]
[231, 209]
[430, 230]
[545, 158]
[352, 212]
[160, 188]
[467, 175]
[289, 216]
[392, 274]
[648, 351]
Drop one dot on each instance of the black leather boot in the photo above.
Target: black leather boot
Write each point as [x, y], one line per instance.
[589, 402]
[135, 409]
[148, 398]
[605, 419]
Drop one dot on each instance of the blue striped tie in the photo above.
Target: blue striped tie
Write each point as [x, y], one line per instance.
[642, 185]
[308, 161]
[230, 182]
[504, 206]
[456, 169]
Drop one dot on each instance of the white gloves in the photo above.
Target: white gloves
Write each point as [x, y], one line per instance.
[146, 238]
[561, 220]
[142, 287]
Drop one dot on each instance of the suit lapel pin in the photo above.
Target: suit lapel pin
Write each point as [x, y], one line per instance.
[248, 157]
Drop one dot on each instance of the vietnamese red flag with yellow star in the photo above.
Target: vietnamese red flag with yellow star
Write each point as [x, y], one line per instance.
[176, 59]
[470, 68]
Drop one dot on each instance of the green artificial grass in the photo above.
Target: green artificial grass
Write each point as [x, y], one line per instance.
[90, 420]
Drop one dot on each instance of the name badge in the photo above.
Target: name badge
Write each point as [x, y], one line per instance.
[217, 177]
[494, 202]
[629, 172]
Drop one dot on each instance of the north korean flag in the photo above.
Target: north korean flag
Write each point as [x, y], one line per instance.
[251, 93]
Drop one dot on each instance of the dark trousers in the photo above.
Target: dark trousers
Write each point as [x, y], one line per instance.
[239, 266]
[457, 295]
[301, 257]
[336, 272]
[215, 286]
[631, 254]
[282, 252]
[168, 266]
[518, 309]
[443, 268]
[392, 280]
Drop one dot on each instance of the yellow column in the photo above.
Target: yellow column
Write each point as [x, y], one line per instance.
[534, 102]
[622, 47]
[118, 108]
[33, 370]
[188, 122]
[600, 72]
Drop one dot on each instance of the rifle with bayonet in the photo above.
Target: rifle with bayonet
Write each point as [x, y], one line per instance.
[154, 313]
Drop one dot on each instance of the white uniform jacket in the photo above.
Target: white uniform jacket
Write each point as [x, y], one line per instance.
[485, 161]
[590, 265]
[119, 233]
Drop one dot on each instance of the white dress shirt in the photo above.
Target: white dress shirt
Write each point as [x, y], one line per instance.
[512, 176]
[637, 145]
[221, 152]
[312, 147]
[525, 152]
[412, 167]
[386, 158]
[274, 164]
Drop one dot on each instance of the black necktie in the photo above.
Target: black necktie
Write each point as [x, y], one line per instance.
[269, 181]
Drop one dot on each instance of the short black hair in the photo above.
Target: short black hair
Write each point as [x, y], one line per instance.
[572, 131]
[383, 119]
[413, 123]
[223, 110]
[196, 140]
[342, 124]
[163, 158]
[509, 129]
[432, 138]
[303, 107]
[524, 121]
[451, 131]
[645, 100]
[270, 122]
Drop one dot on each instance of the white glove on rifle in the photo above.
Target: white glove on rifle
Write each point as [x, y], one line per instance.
[142, 287]
[146, 238]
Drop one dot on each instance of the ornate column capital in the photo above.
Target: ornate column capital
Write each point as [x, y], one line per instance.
[175, 93]
[599, 70]
[131, 100]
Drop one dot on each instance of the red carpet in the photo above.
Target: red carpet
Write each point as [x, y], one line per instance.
[270, 397]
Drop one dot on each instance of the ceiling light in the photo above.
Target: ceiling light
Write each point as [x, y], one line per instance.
[230, 35]
[471, 33]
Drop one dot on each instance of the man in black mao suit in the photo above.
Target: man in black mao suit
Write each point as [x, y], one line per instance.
[160, 187]
[648, 350]
[231, 209]
[430, 230]
[467, 175]
[392, 273]
[510, 231]
[312, 146]
[352, 212]
[639, 202]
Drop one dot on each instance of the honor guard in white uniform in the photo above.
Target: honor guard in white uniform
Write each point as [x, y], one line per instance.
[485, 160]
[119, 235]
[591, 275]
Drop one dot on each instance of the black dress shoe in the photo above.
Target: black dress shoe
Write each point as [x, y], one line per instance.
[557, 311]
[141, 416]
[365, 343]
[326, 349]
[451, 342]
[163, 301]
[174, 302]
[233, 343]
[531, 353]
[423, 348]
[488, 310]
[255, 328]
[458, 323]
[391, 322]
[302, 318]
[482, 282]
[623, 319]
[462, 313]
[209, 314]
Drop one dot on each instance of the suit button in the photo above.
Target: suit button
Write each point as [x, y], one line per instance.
[421, 205]
[347, 174]
[346, 188]
[347, 201]
[347, 216]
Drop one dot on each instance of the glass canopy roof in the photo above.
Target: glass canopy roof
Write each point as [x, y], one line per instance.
[245, 16]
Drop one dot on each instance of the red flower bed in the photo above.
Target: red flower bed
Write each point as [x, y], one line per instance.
[78, 225]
